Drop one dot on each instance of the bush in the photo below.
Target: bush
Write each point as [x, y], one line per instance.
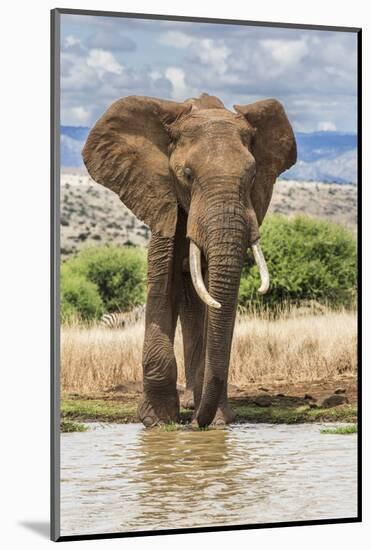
[117, 273]
[79, 297]
[308, 259]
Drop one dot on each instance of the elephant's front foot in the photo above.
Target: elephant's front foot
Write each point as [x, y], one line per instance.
[224, 415]
[188, 401]
[156, 410]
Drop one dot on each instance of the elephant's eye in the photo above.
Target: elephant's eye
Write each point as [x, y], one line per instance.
[188, 174]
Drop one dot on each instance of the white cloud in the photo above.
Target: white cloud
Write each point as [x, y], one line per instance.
[76, 75]
[110, 40]
[176, 39]
[95, 78]
[326, 126]
[176, 76]
[286, 52]
[208, 51]
[103, 62]
[71, 40]
[78, 115]
[313, 73]
[214, 54]
[155, 75]
[81, 114]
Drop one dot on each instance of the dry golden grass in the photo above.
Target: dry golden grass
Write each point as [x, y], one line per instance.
[289, 349]
[294, 349]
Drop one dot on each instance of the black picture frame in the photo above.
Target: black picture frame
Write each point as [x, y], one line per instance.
[55, 273]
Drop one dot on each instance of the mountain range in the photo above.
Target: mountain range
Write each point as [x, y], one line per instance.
[322, 156]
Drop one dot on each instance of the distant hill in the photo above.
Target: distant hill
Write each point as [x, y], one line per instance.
[322, 156]
[91, 214]
[326, 157]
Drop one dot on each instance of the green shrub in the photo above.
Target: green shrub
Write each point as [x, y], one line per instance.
[117, 272]
[308, 259]
[79, 297]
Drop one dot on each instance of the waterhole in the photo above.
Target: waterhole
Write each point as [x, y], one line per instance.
[117, 478]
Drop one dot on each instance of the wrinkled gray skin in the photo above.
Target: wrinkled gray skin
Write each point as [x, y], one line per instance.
[192, 171]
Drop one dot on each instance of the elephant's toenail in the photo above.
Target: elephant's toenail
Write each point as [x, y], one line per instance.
[148, 421]
[220, 422]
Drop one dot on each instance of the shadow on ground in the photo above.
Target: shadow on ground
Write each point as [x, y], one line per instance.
[41, 528]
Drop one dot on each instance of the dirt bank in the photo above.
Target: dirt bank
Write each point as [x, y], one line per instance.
[320, 401]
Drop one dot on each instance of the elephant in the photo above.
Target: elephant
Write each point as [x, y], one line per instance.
[201, 177]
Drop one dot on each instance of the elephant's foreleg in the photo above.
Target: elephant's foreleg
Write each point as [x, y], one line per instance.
[224, 414]
[194, 321]
[160, 402]
[192, 318]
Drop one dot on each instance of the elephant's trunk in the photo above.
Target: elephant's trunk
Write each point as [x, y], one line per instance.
[225, 249]
[198, 282]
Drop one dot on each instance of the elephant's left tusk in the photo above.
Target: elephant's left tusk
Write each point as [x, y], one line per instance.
[263, 269]
[196, 274]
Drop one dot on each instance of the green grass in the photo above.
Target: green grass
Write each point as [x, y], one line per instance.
[172, 427]
[341, 430]
[175, 426]
[68, 426]
[98, 410]
[295, 415]
[79, 409]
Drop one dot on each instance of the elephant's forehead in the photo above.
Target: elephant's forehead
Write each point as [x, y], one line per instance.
[213, 118]
[212, 115]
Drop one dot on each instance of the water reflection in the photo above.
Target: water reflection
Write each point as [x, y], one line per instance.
[123, 477]
[180, 470]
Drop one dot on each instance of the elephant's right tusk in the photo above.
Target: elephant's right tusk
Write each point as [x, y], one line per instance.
[196, 274]
[263, 269]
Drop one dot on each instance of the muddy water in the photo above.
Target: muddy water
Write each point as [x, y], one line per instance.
[126, 478]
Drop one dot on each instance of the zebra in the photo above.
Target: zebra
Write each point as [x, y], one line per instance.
[122, 319]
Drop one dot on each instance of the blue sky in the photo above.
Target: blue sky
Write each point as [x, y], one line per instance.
[313, 73]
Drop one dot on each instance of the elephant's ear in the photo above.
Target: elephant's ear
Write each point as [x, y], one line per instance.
[273, 147]
[127, 151]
